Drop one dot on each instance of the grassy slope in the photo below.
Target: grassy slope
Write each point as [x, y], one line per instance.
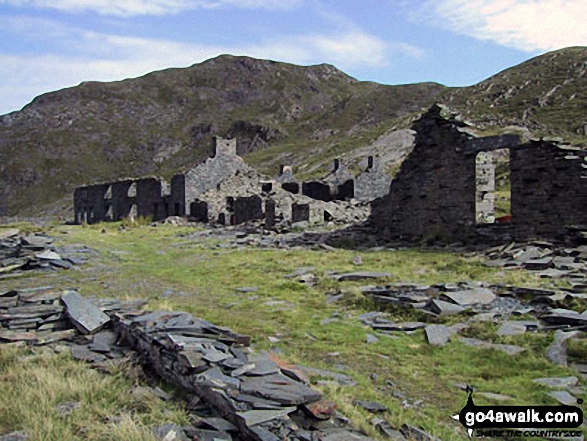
[145, 262]
[545, 94]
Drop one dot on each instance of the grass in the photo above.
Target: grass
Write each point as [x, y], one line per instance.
[35, 383]
[200, 277]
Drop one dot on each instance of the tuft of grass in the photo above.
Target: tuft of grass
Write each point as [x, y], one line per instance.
[36, 381]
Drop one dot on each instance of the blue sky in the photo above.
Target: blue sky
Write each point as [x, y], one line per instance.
[47, 45]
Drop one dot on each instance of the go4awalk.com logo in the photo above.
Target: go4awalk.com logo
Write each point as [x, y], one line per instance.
[501, 421]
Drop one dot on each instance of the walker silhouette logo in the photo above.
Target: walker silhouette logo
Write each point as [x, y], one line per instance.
[475, 417]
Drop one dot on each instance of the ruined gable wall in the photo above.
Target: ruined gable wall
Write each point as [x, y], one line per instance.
[208, 175]
[433, 194]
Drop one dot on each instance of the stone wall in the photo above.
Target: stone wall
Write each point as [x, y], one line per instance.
[549, 188]
[372, 183]
[213, 171]
[115, 201]
[247, 209]
[434, 194]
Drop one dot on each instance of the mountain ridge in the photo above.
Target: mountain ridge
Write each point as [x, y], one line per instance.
[164, 121]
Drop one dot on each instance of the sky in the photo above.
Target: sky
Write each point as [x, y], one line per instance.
[46, 45]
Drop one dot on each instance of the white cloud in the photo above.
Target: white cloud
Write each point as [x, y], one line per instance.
[79, 55]
[126, 8]
[528, 25]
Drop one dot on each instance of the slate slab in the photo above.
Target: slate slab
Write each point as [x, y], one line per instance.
[441, 307]
[48, 255]
[438, 335]
[511, 328]
[170, 432]
[83, 314]
[557, 351]
[563, 397]
[558, 382]
[416, 434]
[478, 296]
[359, 275]
[82, 353]
[278, 387]
[371, 406]
[254, 417]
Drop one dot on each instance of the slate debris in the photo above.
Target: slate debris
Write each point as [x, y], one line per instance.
[250, 391]
[86, 317]
[35, 251]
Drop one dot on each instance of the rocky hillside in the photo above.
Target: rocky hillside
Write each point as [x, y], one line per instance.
[164, 122]
[546, 95]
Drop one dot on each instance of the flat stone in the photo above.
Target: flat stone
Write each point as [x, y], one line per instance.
[441, 307]
[247, 289]
[84, 354]
[416, 434]
[299, 272]
[170, 432]
[63, 264]
[539, 264]
[278, 387]
[553, 273]
[511, 328]
[48, 255]
[371, 406]
[387, 430]
[371, 339]
[558, 382]
[256, 402]
[558, 317]
[52, 337]
[13, 336]
[320, 410]
[437, 334]
[359, 275]
[477, 296]
[563, 397]
[262, 365]
[103, 341]
[5, 233]
[220, 424]
[192, 359]
[557, 351]
[83, 314]
[215, 377]
[254, 417]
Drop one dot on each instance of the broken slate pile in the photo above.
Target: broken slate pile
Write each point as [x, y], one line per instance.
[34, 251]
[241, 395]
[548, 260]
[45, 315]
[252, 395]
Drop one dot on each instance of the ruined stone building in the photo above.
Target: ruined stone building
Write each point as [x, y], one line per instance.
[443, 190]
[153, 197]
[223, 189]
